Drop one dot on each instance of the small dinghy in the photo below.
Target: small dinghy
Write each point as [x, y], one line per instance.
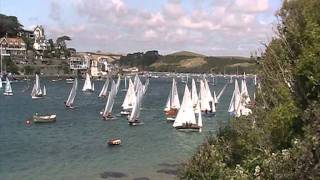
[44, 118]
[114, 141]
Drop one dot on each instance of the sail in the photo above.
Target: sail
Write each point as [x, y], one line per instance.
[104, 89]
[118, 84]
[44, 90]
[145, 86]
[222, 91]
[125, 82]
[73, 93]
[130, 97]
[215, 99]
[36, 90]
[167, 108]
[204, 101]
[235, 106]
[87, 83]
[136, 83]
[185, 113]
[208, 92]
[92, 86]
[244, 92]
[0, 82]
[199, 119]
[8, 88]
[194, 93]
[136, 108]
[175, 102]
[110, 102]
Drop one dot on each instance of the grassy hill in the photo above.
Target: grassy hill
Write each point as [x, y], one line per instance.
[185, 61]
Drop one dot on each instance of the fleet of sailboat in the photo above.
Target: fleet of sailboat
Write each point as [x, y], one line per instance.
[185, 116]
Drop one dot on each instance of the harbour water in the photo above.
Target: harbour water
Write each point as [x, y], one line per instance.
[74, 148]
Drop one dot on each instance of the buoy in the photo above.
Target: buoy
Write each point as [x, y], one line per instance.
[28, 122]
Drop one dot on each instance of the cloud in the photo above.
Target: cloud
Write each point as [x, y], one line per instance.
[55, 11]
[214, 27]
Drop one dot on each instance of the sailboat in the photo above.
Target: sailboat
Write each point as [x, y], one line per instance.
[209, 97]
[8, 90]
[194, 96]
[203, 99]
[36, 92]
[173, 103]
[88, 87]
[186, 119]
[215, 99]
[72, 95]
[236, 107]
[134, 118]
[118, 84]
[44, 90]
[129, 100]
[104, 90]
[108, 108]
[0, 82]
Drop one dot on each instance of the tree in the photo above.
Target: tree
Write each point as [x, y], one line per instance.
[9, 25]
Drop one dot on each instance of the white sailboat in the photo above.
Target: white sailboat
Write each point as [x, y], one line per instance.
[44, 90]
[173, 102]
[195, 97]
[8, 90]
[215, 99]
[186, 119]
[36, 92]
[0, 82]
[107, 113]
[203, 99]
[118, 84]
[88, 87]
[209, 97]
[134, 118]
[72, 95]
[104, 90]
[236, 106]
[129, 100]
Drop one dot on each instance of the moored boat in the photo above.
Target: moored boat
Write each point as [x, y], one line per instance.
[44, 118]
[114, 141]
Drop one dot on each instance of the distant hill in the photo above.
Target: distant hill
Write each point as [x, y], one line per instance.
[185, 61]
[186, 53]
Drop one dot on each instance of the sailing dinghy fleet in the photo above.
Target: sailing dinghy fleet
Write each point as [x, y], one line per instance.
[197, 102]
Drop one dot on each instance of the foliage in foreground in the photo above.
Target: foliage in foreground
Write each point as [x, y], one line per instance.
[281, 139]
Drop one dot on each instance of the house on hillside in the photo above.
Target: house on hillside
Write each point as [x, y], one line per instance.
[40, 43]
[13, 46]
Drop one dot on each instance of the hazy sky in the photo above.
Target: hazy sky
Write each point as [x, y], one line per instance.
[211, 27]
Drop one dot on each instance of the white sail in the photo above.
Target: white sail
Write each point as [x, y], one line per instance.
[73, 93]
[186, 113]
[145, 86]
[194, 93]
[36, 90]
[130, 97]
[87, 84]
[175, 102]
[110, 102]
[199, 119]
[118, 84]
[168, 103]
[244, 92]
[92, 86]
[8, 89]
[44, 90]
[204, 101]
[215, 99]
[222, 91]
[208, 92]
[125, 82]
[136, 108]
[235, 106]
[0, 82]
[104, 89]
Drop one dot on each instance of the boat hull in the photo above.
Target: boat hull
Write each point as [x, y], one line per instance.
[7, 94]
[44, 118]
[114, 142]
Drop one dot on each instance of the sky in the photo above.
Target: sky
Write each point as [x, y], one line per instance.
[210, 27]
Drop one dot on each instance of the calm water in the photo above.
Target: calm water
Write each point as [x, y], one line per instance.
[74, 147]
